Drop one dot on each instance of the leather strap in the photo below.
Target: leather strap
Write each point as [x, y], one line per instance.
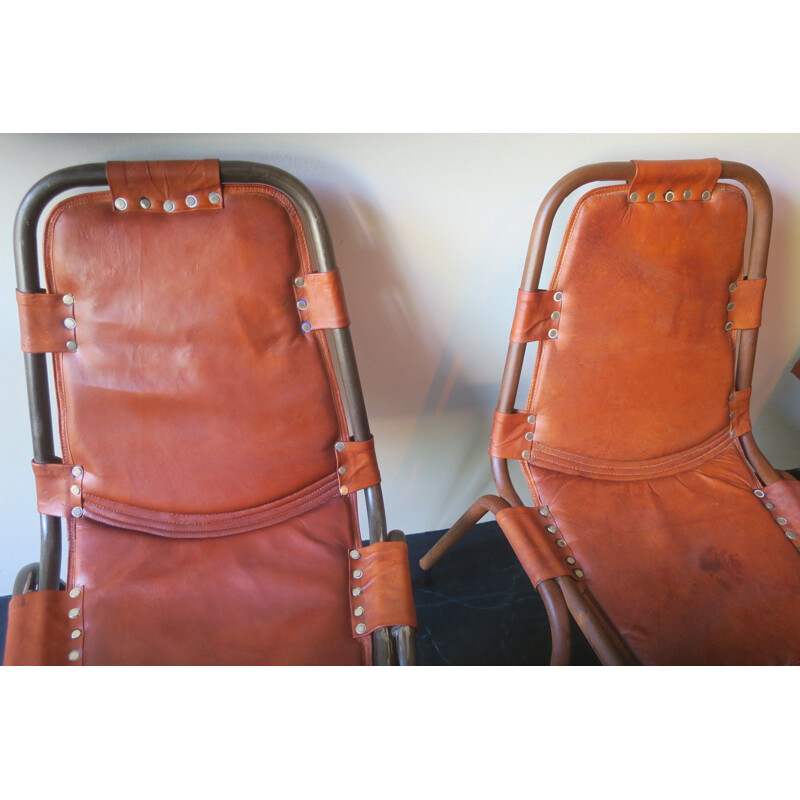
[741, 412]
[45, 629]
[59, 489]
[46, 322]
[746, 299]
[357, 466]
[536, 316]
[380, 588]
[543, 554]
[320, 300]
[165, 187]
[784, 496]
[512, 435]
[674, 181]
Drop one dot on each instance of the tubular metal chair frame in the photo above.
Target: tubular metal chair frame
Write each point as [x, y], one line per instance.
[396, 645]
[561, 596]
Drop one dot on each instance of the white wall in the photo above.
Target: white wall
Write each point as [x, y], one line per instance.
[430, 233]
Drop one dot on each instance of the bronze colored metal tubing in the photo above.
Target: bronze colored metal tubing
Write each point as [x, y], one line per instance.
[464, 523]
[558, 615]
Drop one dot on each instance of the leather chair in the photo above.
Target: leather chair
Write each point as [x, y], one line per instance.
[654, 520]
[210, 457]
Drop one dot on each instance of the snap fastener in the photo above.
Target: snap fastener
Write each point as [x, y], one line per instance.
[306, 327]
[634, 196]
[69, 323]
[344, 490]
[578, 573]
[72, 345]
[551, 529]
[191, 200]
[687, 195]
[780, 520]
[532, 419]
[728, 326]
[299, 282]
[76, 512]
[733, 434]
[75, 489]
[558, 297]
[731, 415]
[544, 511]
[526, 454]
[357, 573]
[758, 493]
[342, 470]
[302, 304]
[354, 554]
[552, 333]
[706, 195]
[68, 299]
[76, 634]
[357, 591]
[74, 655]
[74, 613]
[339, 446]
[77, 471]
[791, 535]
[168, 206]
[361, 628]
[570, 560]
[76, 592]
[214, 198]
[669, 196]
[769, 505]
[732, 286]
[145, 203]
[555, 315]
[358, 611]
[529, 436]
[120, 203]
[730, 306]
[651, 196]
[561, 543]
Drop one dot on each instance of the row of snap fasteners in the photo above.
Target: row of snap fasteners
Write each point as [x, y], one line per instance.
[561, 543]
[782, 521]
[553, 332]
[168, 205]
[76, 633]
[358, 611]
[302, 304]
[669, 196]
[526, 454]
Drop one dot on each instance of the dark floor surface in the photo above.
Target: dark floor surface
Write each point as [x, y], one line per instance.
[475, 607]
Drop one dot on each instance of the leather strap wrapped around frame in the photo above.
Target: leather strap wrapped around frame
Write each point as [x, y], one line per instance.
[740, 408]
[674, 181]
[380, 588]
[320, 301]
[536, 316]
[59, 489]
[47, 322]
[744, 304]
[512, 435]
[357, 466]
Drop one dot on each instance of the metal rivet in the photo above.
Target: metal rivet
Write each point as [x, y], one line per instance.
[733, 434]
[168, 206]
[339, 446]
[570, 560]
[651, 197]
[361, 628]
[732, 286]
[214, 198]
[342, 470]
[191, 200]
[706, 195]
[552, 333]
[74, 655]
[344, 490]
[758, 493]
[687, 195]
[305, 327]
[578, 573]
[634, 196]
[526, 454]
[72, 345]
[354, 554]
[76, 592]
[357, 573]
[769, 505]
[731, 397]
[555, 315]
[728, 326]
[730, 306]
[669, 196]
[76, 634]
[75, 489]
[780, 520]
[77, 512]
[532, 419]
[357, 591]
[529, 436]
[69, 323]
[561, 543]
[544, 511]
[299, 282]
[120, 203]
[791, 535]
[558, 296]
[731, 415]
[358, 611]
[74, 613]
[302, 304]
[68, 299]
[551, 529]
[145, 203]
[77, 471]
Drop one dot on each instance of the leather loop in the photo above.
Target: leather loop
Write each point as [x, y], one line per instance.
[40, 630]
[383, 595]
[41, 322]
[785, 497]
[537, 549]
[534, 316]
[508, 434]
[165, 187]
[747, 299]
[741, 412]
[320, 300]
[58, 489]
[357, 466]
[654, 179]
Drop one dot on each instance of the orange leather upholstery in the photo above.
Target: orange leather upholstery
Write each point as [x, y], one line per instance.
[211, 526]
